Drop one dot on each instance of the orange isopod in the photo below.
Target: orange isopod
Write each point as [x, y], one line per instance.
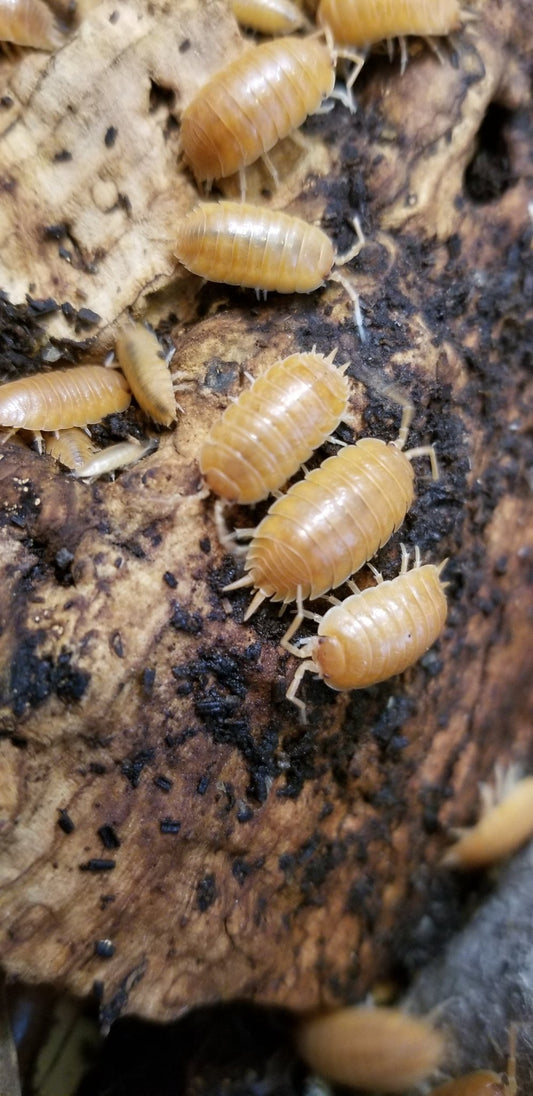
[262, 439]
[269, 16]
[252, 103]
[262, 249]
[63, 398]
[143, 363]
[329, 524]
[501, 830]
[28, 23]
[374, 634]
[377, 1049]
[484, 1082]
[361, 23]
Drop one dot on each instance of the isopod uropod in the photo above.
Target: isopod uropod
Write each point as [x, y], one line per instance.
[361, 23]
[269, 16]
[262, 439]
[329, 524]
[143, 363]
[380, 1049]
[499, 833]
[374, 634]
[63, 398]
[262, 249]
[28, 23]
[252, 103]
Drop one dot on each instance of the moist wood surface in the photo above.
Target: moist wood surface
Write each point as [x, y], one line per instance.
[223, 849]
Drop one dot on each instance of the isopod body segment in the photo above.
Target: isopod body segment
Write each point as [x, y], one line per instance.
[252, 103]
[143, 363]
[499, 832]
[28, 23]
[247, 245]
[63, 398]
[262, 439]
[376, 1049]
[329, 524]
[361, 23]
[268, 16]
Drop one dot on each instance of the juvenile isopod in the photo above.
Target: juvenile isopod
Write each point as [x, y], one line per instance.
[361, 23]
[114, 457]
[329, 524]
[269, 16]
[262, 439]
[374, 634]
[501, 830]
[484, 1082]
[63, 398]
[252, 103]
[143, 363]
[379, 1049]
[72, 448]
[262, 249]
[28, 23]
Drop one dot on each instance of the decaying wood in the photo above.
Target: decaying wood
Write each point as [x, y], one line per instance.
[158, 791]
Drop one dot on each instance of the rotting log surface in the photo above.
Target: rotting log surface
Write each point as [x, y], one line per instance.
[252, 857]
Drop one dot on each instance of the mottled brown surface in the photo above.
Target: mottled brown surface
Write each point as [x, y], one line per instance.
[305, 863]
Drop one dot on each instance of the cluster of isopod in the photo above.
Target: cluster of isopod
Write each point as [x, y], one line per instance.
[332, 521]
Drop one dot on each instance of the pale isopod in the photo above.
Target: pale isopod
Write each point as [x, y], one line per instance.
[63, 398]
[28, 23]
[361, 23]
[268, 16]
[143, 363]
[380, 1049]
[374, 634]
[72, 448]
[252, 103]
[262, 439]
[500, 831]
[329, 524]
[114, 457]
[262, 249]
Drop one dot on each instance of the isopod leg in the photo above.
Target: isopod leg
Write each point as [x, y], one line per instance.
[354, 297]
[403, 54]
[303, 668]
[226, 539]
[426, 451]
[293, 626]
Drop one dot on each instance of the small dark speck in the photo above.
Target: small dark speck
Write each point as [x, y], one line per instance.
[185, 45]
[104, 949]
[116, 644]
[62, 157]
[110, 137]
[6, 101]
[87, 317]
[206, 892]
[54, 232]
[65, 254]
[244, 813]
[106, 900]
[148, 679]
[42, 306]
[205, 545]
[64, 821]
[202, 785]
[169, 825]
[500, 567]
[64, 558]
[108, 837]
[97, 864]
[114, 17]
[170, 580]
[97, 768]
[67, 308]
[163, 782]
